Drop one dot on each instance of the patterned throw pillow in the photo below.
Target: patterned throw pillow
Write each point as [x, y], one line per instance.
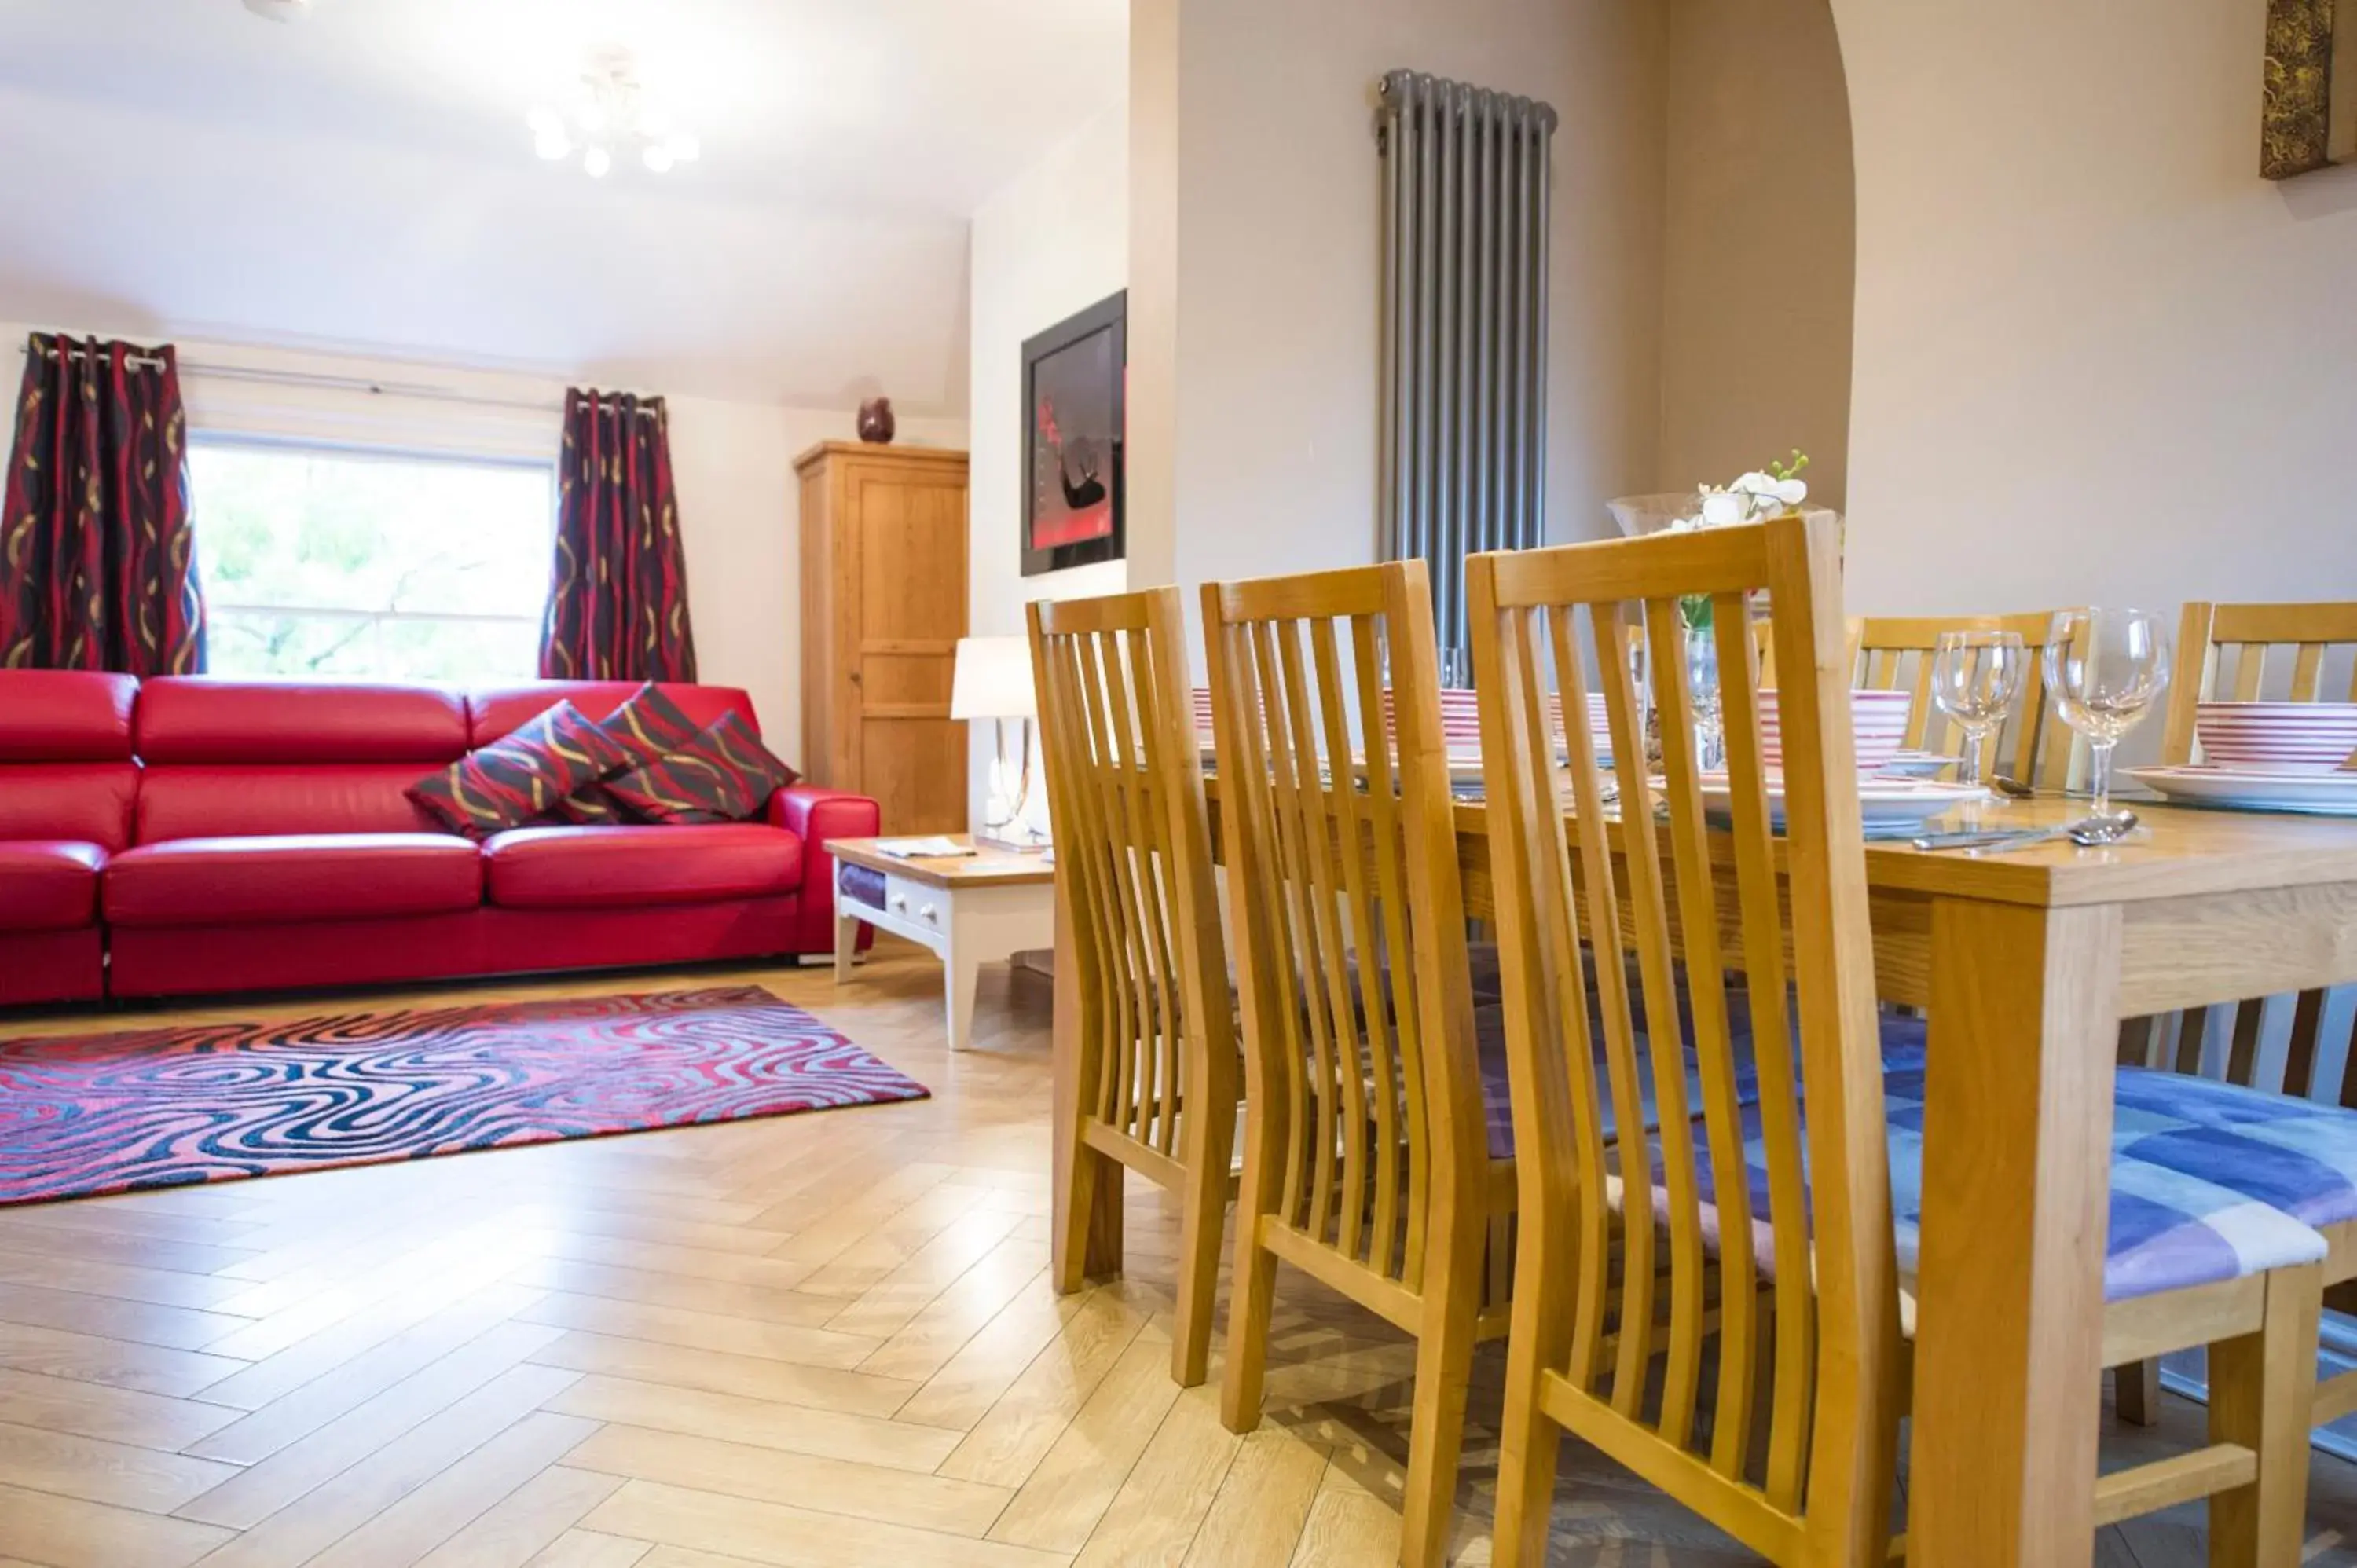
[522, 775]
[723, 775]
[647, 726]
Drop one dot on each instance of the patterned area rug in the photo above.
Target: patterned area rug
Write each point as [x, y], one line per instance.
[86, 1115]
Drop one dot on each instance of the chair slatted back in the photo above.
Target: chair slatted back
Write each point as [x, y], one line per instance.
[1342, 876]
[1892, 653]
[1132, 843]
[2289, 1045]
[1702, 857]
[2214, 638]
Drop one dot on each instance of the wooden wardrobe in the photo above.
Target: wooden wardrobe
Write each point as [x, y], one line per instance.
[883, 606]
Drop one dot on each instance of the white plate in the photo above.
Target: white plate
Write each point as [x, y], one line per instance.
[1918, 765]
[1886, 806]
[2321, 794]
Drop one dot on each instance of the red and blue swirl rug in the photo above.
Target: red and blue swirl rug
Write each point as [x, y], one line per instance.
[81, 1115]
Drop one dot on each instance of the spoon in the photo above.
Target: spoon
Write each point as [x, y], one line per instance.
[2092, 832]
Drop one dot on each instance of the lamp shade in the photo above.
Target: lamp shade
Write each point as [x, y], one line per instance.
[993, 680]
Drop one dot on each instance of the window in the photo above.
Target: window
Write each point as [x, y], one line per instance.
[321, 562]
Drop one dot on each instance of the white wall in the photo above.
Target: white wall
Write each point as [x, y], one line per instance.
[733, 465]
[1759, 240]
[1052, 242]
[1254, 164]
[2097, 355]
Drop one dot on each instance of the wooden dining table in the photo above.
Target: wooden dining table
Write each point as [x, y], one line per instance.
[2027, 962]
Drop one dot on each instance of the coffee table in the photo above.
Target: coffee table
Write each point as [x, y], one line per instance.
[968, 910]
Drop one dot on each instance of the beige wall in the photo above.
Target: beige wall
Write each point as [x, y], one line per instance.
[732, 462]
[2098, 357]
[1255, 277]
[1052, 242]
[1759, 242]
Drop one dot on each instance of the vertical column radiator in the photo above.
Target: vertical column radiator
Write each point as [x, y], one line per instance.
[1465, 174]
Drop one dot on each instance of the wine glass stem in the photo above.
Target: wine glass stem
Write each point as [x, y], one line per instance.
[1969, 771]
[2099, 771]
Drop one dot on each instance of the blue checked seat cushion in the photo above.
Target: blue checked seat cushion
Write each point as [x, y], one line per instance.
[1490, 1041]
[2171, 1228]
[2294, 1156]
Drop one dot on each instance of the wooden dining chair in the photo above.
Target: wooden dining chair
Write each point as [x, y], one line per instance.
[1891, 653]
[1369, 1159]
[1720, 1306]
[1147, 1071]
[2299, 1046]
[2211, 638]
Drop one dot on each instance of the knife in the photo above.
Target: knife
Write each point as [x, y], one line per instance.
[1987, 839]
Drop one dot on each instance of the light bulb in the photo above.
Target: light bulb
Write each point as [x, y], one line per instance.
[658, 158]
[545, 122]
[595, 162]
[684, 148]
[552, 143]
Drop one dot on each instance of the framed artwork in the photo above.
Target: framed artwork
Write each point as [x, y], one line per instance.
[2308, 114]
[1074, 377]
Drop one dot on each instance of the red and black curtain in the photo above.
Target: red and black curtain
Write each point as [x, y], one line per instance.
[98, 561]
[617, 605]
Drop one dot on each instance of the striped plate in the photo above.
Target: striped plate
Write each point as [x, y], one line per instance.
[2310, 737]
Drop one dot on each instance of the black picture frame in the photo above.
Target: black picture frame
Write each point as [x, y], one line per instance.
[1084, 362]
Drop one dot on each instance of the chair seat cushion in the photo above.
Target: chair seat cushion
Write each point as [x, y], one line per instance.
[607, 867]
[2296, 1155]
[1489, 1040]
[48, 884]
[2168, 1229]
[299, 876]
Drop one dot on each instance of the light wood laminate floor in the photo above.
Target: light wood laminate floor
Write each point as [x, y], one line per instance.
[822, 1340]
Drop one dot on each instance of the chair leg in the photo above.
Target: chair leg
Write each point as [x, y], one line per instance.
[1252, 1295]
[2135, 1392]
[1529, 1445]
[1203, 1215]
[2261, 1389]
[1088, 1212]
[1443, 1366]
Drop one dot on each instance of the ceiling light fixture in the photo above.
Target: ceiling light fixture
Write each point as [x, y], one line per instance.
[611, 118]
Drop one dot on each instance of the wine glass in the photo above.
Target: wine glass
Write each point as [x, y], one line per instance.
[1975, 679]
[2103, 669]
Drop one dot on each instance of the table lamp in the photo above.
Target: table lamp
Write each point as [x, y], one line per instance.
[993, 681]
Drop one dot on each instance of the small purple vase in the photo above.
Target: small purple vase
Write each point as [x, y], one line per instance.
[875, 422]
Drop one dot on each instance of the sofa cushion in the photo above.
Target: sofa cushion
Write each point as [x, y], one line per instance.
[331, 797]
[495, 711]
[589, 867]
[48, 884]
[64, 715]
[88, 801]
[203, 719]
[301, 877]
[723, 775]
[521, 776]
[647, 727]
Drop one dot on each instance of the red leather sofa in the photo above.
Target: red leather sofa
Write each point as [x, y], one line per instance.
[212, 836]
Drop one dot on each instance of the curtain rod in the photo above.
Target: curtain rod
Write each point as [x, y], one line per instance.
[326, 383]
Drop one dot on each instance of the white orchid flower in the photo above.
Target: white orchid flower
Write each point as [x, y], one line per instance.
[1720, 508]
[1791, 492]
